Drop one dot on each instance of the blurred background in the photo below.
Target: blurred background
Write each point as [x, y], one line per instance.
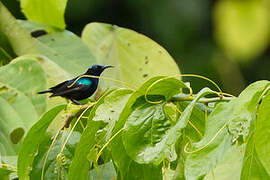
[225, 40]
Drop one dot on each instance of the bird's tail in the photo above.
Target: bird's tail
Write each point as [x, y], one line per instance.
[43, 92]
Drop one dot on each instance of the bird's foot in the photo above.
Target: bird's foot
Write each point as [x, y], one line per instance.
[76, 102]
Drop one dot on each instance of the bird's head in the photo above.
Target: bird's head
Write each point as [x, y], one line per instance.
[96, 70]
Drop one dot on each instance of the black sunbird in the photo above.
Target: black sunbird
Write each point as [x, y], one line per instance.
[80, 87]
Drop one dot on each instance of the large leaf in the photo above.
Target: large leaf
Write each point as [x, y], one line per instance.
[256, 160]
[148, 136]
[48, 12]
[136, 57]
[242, 27]
[57, 164]
[19, 83]
[224, 126]
[25, 77]
[262, 133]
[20, 40]
[29, 147]
[119, 154]
[69, 55]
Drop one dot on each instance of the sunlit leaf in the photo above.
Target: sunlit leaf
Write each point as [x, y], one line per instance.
[262, 133]
[256, 160]
[64, 50]
[221, 131]
[127, 49]
[230, 165]
[17, 90]
[48, 12]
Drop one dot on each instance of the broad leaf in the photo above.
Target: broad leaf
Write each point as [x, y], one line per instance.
[58, 162]
[48, 12]
[24, 77]
[262, 133]
[65, 52]
[222, 130]
[32, 140]
[136, 57]
[256, 160]
[19, 84]
[148, 135]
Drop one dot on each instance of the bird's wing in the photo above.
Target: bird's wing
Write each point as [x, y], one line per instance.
[65, 88]
[67, 91]
[65, 83]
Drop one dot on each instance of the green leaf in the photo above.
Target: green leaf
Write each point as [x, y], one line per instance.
[256, 160]
[221, 132]
[105, 172]
[109, 111]
[19, 39]
[167, 87]
[242, 28]
[195, 129]
[127, 49]
[25, 77]
[148, 136]
[128, 169]
[32, 140]
[48, 12]
[68, 54]
[230, 166]
[240, 126]
[119, 154]
[102, 117]
[80, 165]
[252, 166]
[19, 84]
[262, 132]
[57, 163]
[4, 173]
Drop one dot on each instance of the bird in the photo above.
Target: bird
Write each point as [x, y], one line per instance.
[80, 87]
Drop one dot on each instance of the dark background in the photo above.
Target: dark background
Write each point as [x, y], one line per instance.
[186, 28]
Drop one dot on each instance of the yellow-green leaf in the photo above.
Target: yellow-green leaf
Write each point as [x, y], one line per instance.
[49, 12]
[137, 58]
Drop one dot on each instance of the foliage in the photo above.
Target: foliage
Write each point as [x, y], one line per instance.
[147, 129]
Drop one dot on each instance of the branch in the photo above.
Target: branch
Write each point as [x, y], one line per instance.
[72, 116]
[202, 100]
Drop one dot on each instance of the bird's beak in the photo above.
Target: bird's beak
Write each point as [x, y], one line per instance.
[105, 67]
